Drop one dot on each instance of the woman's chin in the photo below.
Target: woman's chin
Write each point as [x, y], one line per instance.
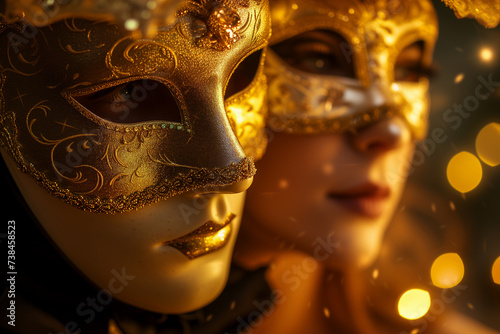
[347, 249]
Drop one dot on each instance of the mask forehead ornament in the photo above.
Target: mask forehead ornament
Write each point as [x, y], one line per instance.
[84, 108]
[375, 32]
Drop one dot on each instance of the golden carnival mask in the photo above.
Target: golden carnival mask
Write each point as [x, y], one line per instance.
[111, 123]
[373, 33]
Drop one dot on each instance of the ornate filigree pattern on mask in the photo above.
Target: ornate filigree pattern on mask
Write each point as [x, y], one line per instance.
[103, 166]
[486, 13]
[147, 57]
[375, 31]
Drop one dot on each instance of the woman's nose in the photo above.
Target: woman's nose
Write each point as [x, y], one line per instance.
[384, 135]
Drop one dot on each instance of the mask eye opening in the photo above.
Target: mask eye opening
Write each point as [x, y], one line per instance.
[410, 66]
[244, 74]
[136, 101]
[319, 52]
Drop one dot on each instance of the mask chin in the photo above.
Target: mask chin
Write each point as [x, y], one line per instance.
[125, 254]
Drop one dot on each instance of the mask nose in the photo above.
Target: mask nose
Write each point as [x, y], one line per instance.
[213, 143]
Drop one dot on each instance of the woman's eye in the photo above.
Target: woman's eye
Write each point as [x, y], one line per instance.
[317, 52]
[409, 74]
[123, 95]
[413, 74]
[318, 64]
[409, 66]
[133, 102]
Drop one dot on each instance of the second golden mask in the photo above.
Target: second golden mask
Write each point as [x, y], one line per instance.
[374, 33]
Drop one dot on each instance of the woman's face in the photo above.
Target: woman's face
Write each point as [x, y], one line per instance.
[332, 195]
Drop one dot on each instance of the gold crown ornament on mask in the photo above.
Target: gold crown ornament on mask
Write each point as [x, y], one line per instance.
[111, 123]
[375, 32]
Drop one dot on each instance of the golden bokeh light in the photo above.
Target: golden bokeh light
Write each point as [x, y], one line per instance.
[459, 78]
[464, 172]
[495, 271]
[447, 271]
[131, 24]
[486, 54]
[488, 144]
[414, 304]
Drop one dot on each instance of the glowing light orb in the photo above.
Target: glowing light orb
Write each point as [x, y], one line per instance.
[464, 172]
[459, 78]
[131, 24]
[447, 270]
[495, 271]
[486, 54]
[414, 304]
[283, 184]
[488, 144]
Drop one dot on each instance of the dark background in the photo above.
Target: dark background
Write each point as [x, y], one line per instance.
[457, 51]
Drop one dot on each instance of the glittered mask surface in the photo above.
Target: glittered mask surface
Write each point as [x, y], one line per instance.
[111, 123]
[374, 34]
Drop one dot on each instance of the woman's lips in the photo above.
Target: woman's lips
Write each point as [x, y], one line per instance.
[206, 239]
[369, 199]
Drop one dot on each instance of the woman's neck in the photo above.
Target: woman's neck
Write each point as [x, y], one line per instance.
[258, 247]
[330, 297]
